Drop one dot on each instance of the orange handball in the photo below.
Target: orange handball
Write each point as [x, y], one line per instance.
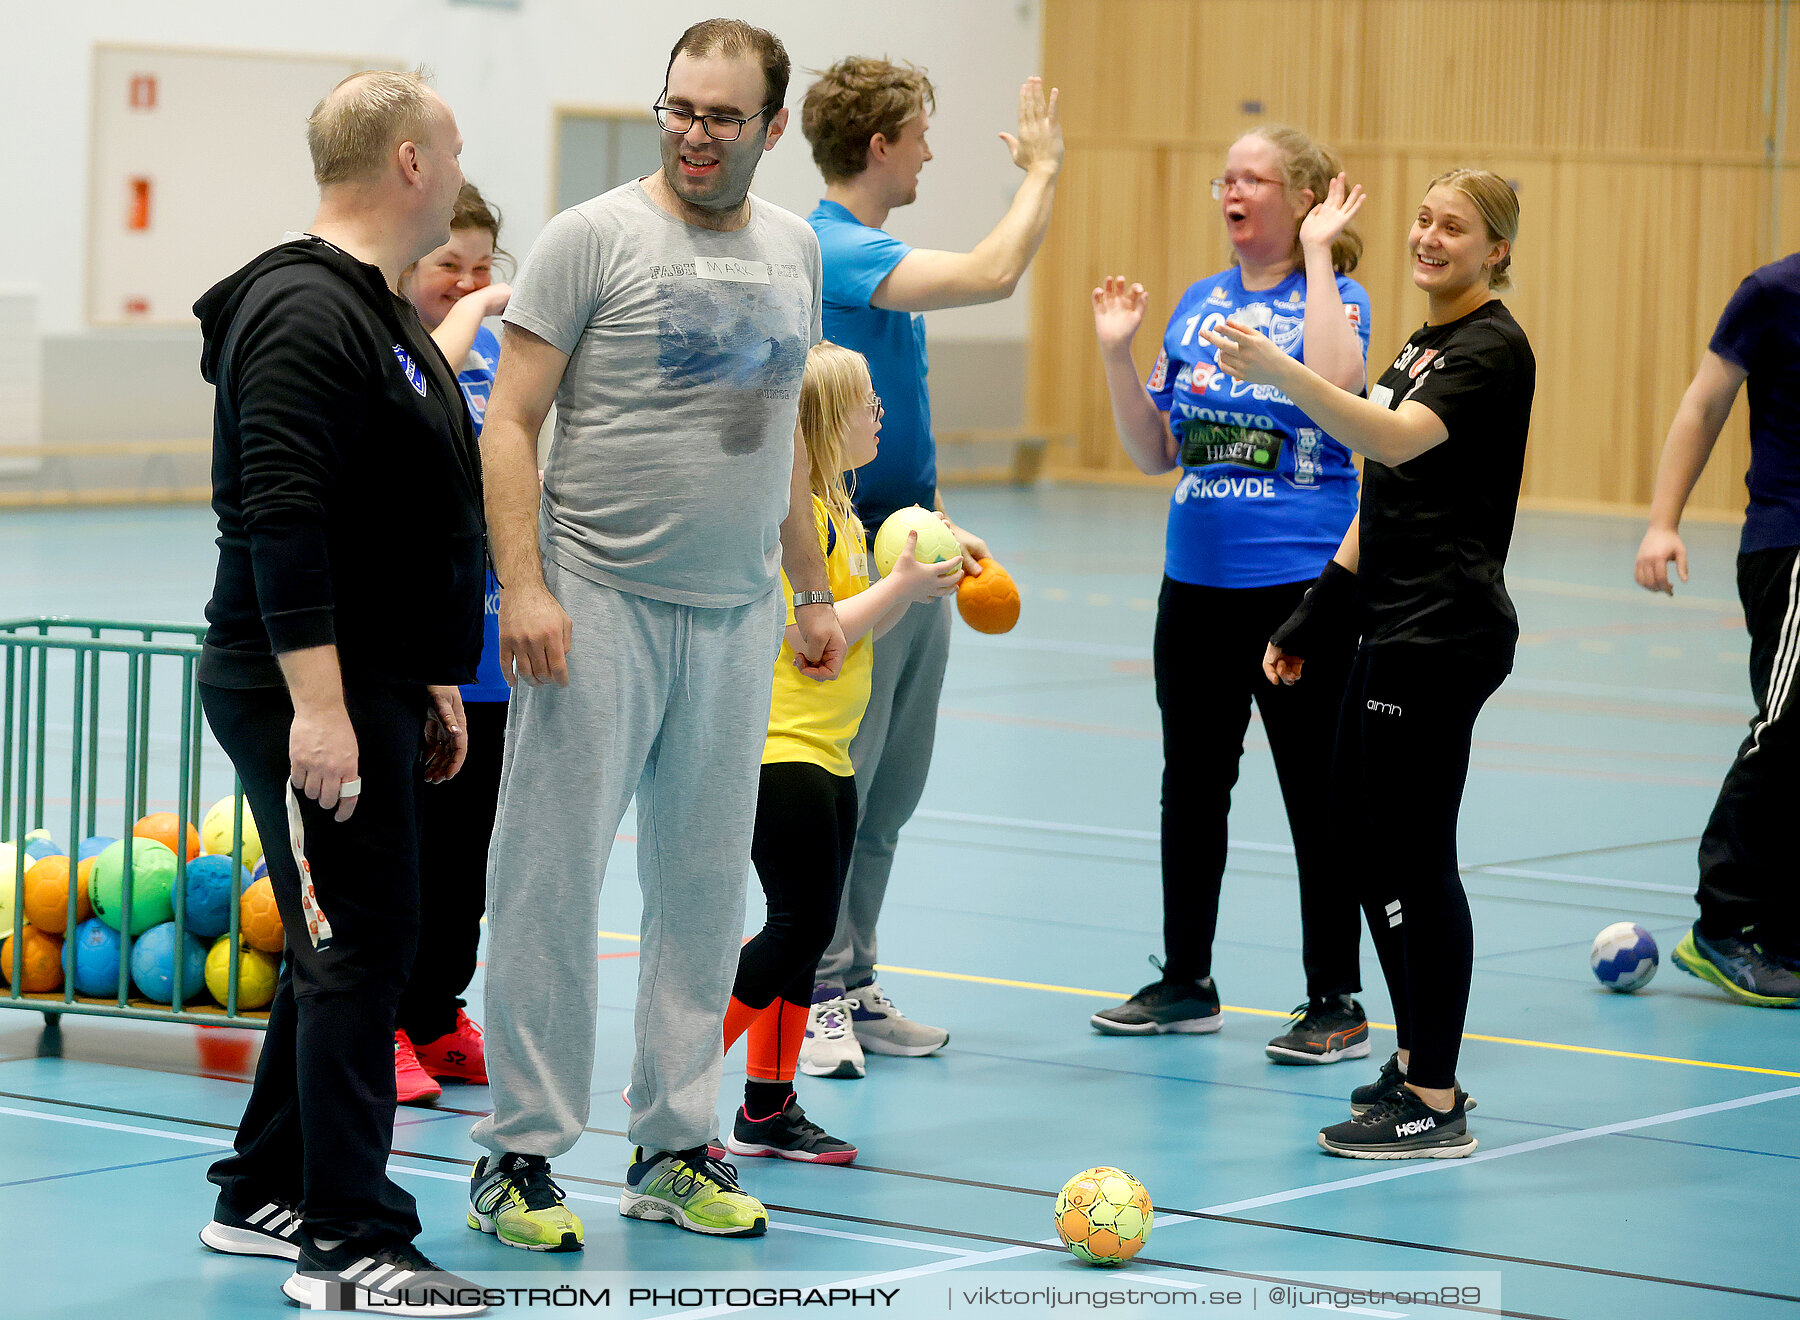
[989, 603]
[47, 895]
[43, 969]
[160, 825]
[259, 921]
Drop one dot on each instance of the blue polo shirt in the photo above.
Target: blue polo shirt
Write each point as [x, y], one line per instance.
[858, 258]
[477, 381]
[1760, 332]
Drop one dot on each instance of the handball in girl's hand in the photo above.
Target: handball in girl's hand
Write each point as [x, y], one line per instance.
[989, 601]
[936, 544]
[1624, 957]
[1103, 1216]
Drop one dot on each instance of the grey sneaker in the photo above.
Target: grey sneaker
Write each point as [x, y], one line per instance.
[830, 1048]
[1741, 968]
[883, 1029]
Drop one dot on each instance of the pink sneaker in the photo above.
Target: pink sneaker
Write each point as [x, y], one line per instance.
[458, 1055]
[412, 1085]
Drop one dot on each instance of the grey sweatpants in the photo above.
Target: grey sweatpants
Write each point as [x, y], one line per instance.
[672, 702]
[891, 754]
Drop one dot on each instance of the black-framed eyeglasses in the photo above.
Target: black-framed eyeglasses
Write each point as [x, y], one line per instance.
[875, 409]
[720, 128]
[1246, 184]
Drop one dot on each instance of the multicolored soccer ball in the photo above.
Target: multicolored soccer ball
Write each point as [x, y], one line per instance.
[1103, 1216]
[1624, 957]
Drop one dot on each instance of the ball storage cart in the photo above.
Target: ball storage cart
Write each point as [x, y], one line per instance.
[100, 729]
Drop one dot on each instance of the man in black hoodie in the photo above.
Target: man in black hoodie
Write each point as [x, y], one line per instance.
[347, 605]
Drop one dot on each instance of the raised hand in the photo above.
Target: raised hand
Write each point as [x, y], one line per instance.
[1248, 355]
[1332, 216]
[1118, 312]
[1039, 144]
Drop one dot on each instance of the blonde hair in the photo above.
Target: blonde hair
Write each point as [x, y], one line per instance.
[1306, 164]
[836, 384]
[358, 123]
[1497, 204]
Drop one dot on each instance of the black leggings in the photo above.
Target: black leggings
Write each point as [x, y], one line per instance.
[1397, 784]
[805, 830]
[456, 820]
[320, 1120]
[1208, 654]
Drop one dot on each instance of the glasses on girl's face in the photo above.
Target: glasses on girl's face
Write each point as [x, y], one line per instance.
[1245, 184]
[876, 411]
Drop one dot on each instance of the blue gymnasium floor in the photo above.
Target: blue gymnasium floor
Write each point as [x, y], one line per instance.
[1638, 1154]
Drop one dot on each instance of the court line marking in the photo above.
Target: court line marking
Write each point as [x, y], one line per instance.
[1413, 1170]
[972, 979]
[441, 1176]
[1169, 1215]
[1278, 849]
[110, 1168]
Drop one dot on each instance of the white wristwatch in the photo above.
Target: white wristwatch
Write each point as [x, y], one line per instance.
[812, 598]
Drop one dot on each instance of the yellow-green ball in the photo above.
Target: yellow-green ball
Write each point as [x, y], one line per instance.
[257, 974]
[215, 832]
[1103, 1216]
[936, 544]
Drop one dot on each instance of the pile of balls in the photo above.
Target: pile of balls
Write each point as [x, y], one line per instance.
[104, 889]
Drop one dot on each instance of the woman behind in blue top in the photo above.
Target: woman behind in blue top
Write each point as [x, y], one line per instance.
[1264, 499]
[453, 291]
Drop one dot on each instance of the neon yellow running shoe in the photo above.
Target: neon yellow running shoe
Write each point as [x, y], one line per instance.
[1741, 968]
[512, 1197]
[699, 1194]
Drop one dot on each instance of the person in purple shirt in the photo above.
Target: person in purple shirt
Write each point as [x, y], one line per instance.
[1747, 940]
[866, 120]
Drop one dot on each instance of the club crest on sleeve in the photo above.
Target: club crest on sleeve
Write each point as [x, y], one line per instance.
[414, 375]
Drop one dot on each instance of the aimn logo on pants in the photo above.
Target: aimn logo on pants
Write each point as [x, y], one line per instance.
[1383, 707]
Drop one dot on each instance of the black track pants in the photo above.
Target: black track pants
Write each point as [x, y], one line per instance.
[320, 1121]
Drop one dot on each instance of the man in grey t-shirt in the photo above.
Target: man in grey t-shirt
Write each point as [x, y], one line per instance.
[670, 320]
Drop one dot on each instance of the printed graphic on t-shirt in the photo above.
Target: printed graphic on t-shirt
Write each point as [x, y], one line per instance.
[1208, 444]
[722, 326]
[414, 374]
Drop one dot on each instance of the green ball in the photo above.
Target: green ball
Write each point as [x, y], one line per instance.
[152, 885]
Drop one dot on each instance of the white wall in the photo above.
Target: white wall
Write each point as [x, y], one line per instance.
[502, 70]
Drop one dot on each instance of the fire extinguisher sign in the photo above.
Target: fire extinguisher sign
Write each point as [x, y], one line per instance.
[143, 91]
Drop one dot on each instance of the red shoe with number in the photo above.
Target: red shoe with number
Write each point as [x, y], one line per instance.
[458, 1055]
[412, 1085]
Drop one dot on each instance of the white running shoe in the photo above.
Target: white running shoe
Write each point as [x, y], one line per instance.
[830, 1048]
[883, 1029]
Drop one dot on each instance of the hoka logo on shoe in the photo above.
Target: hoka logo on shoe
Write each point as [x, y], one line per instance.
[1415, 1127]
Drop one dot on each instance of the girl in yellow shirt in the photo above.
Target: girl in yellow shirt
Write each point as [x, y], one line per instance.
[806, 805]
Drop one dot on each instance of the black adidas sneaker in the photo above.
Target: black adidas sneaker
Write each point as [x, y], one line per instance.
[391, 1278]
[1402, 1127]
[272, 1229]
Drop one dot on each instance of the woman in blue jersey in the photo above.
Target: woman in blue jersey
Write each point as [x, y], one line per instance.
[1264, 498]
[453, 291]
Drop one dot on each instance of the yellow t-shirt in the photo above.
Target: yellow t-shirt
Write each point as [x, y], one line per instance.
[812, 721]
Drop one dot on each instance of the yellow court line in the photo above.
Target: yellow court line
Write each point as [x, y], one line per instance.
[1272, 1013]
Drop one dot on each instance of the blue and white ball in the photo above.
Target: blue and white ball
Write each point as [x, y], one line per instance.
[1624, 957]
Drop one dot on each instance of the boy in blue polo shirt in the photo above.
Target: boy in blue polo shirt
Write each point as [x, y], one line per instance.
[866, 121]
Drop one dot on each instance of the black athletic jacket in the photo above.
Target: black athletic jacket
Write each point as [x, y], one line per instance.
[345, 475]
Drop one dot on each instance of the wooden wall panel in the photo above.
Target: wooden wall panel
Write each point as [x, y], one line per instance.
[1639, 134]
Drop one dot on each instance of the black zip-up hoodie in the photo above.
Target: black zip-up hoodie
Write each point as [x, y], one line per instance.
[346, 478]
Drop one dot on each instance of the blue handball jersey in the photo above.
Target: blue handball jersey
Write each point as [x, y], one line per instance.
[477, 381]
[1265, 496]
